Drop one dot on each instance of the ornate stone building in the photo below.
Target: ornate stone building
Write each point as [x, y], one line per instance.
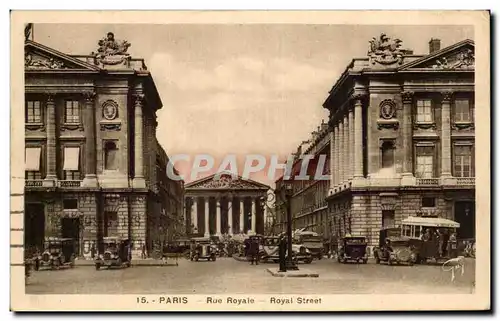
[221, 204]
[91, 149]
[308, 202]
[402, 138]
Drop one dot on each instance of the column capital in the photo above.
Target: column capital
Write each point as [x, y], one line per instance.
[139, 100]
[50, 98]
[89, 96]
[357, 97]
[446, 95]
[407, 96]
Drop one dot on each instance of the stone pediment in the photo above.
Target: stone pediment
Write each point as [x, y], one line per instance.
[454, 58]
[39, 57]
[226, 181]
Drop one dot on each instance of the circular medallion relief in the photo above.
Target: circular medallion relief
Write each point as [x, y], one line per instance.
[387, 109]
[110, 110]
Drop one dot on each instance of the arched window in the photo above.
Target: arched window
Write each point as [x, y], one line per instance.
[110, 155]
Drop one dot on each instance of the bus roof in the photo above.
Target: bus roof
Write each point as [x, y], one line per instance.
[430, 221]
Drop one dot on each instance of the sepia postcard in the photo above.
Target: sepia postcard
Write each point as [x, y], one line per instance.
[250, 161]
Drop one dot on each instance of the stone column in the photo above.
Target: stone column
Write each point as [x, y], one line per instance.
[446, 135]
[218, 216]
[341, 153]
[358, 138]
[138, 181]
[230, 215]
[194, 214]
[345, 150]
[332, 158]
[337, 156]
[407, 177]
[242, 215]
[51, 176]
[254, 215]
[351, 143]
[207, 217]
[90, 179]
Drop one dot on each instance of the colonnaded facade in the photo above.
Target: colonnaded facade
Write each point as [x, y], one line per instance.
[225, 204]
[92, 158]
[402, 138]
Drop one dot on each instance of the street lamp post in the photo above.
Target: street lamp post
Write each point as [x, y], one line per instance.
[290, 264]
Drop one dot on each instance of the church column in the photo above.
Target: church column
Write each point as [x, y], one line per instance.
[218, 216]
[138, 181]
[207, 217]
[90, 179]
[254, 215]
[230, 215]
[51, 176]
[194, 214]
[242, 215]
[446, 135]
[358, 138]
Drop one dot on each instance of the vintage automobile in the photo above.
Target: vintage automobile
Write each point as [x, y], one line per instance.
[117, 253]
[270, 249]
[429, 236]
[312, 241]
[394, 248]
[202, 248]
[58, 252]
[353, 248]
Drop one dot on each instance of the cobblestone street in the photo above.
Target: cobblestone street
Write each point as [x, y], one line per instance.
[227, 275]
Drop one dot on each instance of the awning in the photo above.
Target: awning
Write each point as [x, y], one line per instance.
[430, 221]
[71, 158]
[32, 159]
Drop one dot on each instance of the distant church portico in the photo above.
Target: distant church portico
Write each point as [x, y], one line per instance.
[222, 204]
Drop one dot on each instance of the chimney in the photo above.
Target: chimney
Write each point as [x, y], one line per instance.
[434, 45]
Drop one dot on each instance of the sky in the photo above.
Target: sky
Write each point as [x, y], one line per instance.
[242, 88]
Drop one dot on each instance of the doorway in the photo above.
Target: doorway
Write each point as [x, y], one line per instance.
[465, 215]
[34, 225]
[70, 228]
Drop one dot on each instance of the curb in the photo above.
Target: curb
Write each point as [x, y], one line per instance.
[296, 275]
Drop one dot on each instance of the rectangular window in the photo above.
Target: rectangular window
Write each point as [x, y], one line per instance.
[33, 112]
[72, 112]
[424, 162]
[387, 154]
[71, 166]
[32, 160]
[462, 110]
[462, 161]
[388, 218]
[110, 223]
[70, 204]
[424, 111]
[428, 202]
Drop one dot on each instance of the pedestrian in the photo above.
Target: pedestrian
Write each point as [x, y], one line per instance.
[143, 252]
[92, 250]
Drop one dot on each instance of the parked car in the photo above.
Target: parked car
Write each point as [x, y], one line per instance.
[117, 253]
[393, 248]
[202, 248]
[312, 241]
[57, 252]
[353, 248]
